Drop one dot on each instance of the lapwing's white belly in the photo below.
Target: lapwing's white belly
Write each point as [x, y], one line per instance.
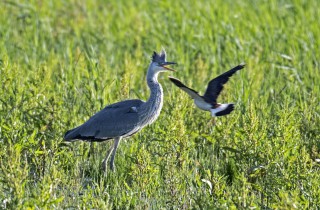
[201, 104]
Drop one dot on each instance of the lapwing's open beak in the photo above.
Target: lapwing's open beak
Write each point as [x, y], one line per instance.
[166, 64]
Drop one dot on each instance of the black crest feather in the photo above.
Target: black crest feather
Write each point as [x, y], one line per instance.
[161, 57]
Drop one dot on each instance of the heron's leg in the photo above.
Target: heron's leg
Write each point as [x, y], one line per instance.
[115, 147]
[104, 163]
[91, 150]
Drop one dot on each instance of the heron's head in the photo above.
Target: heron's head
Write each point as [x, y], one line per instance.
[159, 63]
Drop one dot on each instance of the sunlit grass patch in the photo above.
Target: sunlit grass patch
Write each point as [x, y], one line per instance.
[61, 62]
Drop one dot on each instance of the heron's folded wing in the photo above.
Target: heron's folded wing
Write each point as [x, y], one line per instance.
[114, 120]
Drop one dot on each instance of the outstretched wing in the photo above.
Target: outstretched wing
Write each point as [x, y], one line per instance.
[215, 86]
[114, 120]
[194, 94]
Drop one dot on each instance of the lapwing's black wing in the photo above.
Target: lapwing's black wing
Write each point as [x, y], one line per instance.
[215, 86]
[194, 94]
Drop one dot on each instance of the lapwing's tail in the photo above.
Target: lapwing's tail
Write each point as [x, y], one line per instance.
[221, 110]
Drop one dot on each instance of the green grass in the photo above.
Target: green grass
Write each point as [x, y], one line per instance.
[60, 62]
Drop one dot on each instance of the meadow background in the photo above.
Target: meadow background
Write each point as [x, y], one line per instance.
[62, 61]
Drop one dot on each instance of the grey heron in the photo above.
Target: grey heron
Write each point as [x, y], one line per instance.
[208, 101]
[125, 118]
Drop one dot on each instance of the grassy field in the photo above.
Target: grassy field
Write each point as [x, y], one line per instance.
[60, 62]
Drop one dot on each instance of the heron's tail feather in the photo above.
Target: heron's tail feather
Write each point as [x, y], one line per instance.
[78, 134]
[71, 135]
[223, 109]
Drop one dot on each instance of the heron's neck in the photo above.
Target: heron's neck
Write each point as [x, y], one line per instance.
[156, 92]
[150, 110]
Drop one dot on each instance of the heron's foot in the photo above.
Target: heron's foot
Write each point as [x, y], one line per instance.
[104, 166]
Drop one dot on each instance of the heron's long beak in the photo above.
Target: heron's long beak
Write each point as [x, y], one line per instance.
[165, 65]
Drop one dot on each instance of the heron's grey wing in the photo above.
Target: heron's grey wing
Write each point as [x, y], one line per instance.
[215, 86]
[117, 119]
[194, 94]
